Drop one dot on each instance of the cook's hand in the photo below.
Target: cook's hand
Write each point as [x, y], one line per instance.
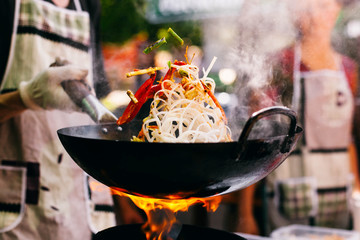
[44, 91]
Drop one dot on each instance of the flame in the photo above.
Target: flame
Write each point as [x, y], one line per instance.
[161, 221]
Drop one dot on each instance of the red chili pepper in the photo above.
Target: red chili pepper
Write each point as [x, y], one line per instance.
[145, 92]
[171, 71]
[179, 63]
[142, 95]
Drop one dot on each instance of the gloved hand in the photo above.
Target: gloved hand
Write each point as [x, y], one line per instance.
[44, 91]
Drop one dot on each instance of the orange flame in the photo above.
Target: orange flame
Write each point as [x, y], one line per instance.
[161, 212]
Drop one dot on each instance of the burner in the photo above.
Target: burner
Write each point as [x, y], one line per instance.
[188, 232]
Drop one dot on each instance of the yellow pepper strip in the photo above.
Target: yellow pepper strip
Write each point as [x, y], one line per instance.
[132, 96]
[150, 70]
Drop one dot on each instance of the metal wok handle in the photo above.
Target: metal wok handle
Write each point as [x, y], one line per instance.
[265, 113]
[80, 93]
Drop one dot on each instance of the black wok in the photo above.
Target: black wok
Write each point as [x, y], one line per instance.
[181, 170]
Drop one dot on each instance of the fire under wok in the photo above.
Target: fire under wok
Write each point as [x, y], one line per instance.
[182, 170]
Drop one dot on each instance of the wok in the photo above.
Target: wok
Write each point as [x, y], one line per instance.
[181, 170]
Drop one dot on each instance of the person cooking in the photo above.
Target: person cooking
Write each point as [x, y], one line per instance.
[312, 186]
[44, 194]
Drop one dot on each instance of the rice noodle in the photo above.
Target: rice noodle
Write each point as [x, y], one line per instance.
[184, 112]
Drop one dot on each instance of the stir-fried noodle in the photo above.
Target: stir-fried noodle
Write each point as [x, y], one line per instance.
[185, 111]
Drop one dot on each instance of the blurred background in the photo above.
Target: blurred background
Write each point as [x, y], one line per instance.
[237, 32]
[240, 33]
[128, 27]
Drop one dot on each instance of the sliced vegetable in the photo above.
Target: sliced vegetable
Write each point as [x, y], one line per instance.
[210, 67]
[142, 95]
[131, 96]
[145, 92]
[174, 35]
[157, 44]
[150, 70]
[212, 96]
[171, 70]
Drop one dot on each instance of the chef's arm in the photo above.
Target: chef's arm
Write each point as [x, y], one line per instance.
[11, 105]
[42, 92]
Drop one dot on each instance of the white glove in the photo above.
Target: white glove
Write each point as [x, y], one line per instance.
[44, 91]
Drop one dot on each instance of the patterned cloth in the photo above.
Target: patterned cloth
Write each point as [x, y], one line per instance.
[43, 193]
[297, 198]
[332, 202]
[34, 17]
[324, 102]
[300, 199]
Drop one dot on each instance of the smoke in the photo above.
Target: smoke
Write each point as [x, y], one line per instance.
[254, 76]
[264, 27]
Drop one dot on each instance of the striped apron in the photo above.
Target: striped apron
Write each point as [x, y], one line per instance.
[314, 184]
[44, 194]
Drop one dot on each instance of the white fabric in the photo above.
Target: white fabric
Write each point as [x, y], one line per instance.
[44, 91]
[328, 114]
[328, 121]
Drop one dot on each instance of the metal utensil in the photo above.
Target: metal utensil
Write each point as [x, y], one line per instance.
[80, 93]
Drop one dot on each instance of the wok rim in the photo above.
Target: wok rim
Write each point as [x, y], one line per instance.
[67, 132]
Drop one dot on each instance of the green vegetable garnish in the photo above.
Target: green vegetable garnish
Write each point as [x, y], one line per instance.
[183, 73]
[157, 44]
[173, 34]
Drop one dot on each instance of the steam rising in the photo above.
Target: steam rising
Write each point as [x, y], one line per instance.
[264, 28]
[245, 42]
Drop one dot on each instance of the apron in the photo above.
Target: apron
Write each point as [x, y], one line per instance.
[44, 194]
[313, 185]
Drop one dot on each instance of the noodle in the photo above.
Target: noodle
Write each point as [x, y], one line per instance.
[184, 111]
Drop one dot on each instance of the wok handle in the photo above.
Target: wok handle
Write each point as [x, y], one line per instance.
[265, 113]
[80, 93]
[77, 90]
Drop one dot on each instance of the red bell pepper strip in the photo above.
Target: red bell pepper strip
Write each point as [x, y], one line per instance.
[171, 71]
[142, 95]
[179, 63]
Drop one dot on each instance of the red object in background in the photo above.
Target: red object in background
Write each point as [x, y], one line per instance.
[120, 59]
